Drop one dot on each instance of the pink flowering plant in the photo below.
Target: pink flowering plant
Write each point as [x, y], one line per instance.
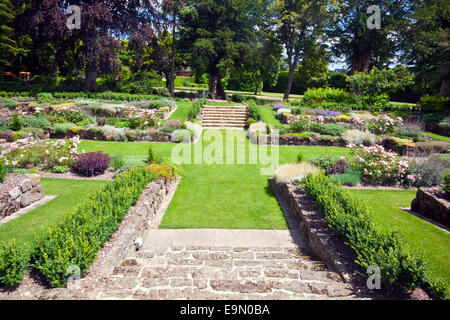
[139, 117]
[45, 154]
[379, 166]
[385, 124]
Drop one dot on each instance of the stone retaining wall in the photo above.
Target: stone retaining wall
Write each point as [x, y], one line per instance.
[320, 238]
[138, 220]
[22, 191]
[291, 140]
[432, 204]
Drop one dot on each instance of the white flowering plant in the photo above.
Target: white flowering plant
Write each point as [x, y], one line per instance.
[44, 154]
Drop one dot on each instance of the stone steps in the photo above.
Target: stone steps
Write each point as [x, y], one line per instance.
[224, 116]
[199, 272]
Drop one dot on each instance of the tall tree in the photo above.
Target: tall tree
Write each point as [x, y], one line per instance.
[8, 47]
[100, 21]
[214, 35]
[427, 44]
[364, 48]
[173, 7]
[298, 24]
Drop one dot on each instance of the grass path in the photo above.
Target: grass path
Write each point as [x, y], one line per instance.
[269, 116]
[182, 111]
[437, 137]
[419, 234]
[69, 193]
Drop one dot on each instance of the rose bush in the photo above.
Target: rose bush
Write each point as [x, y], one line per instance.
[379, 166]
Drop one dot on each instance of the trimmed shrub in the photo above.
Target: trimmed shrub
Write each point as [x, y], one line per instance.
[401, 268]
[77, 239]
[3, 170]
[251, 121]
[433, 103]
[195, 108]
[14, 261]
[254, 111]
[91, 163]
[343, 118]
[328, 95]
[16, 125]
[446, 185]
[62, 128]
[329, 129]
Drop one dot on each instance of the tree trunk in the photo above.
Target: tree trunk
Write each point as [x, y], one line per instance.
[444, 87]
[220, 90]
[360, 62]
[213, 79]
[172, 62]
[215, 86]
[90, 51]
[90, 81]
[257, 84]
[290, 79]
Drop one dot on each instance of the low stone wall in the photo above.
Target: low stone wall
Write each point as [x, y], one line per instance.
[291, 140]
[19, 191]
[432, 203]
[322, 241]
[138, 220]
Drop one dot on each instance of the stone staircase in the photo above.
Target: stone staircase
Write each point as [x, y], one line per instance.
[166, 270]
[224, 116]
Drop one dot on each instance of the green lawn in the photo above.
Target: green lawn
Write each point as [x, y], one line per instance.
[219, 196]
[419, 234]
[69, 193]
[269, 116]
[182, 111]
[437, 137]
[209, 196]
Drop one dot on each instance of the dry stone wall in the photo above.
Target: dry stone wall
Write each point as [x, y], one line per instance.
[19, 191]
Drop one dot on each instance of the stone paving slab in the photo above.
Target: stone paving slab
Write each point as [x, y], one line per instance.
[161, 239]
[221, 273]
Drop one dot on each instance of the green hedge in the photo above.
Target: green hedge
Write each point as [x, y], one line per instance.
[77, 239]
[195, 108]
[401, 268]
[179, 81]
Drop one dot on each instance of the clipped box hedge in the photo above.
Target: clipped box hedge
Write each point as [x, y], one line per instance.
[401, 268]
[73, 244]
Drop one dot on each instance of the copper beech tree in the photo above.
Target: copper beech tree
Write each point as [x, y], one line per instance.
[102, 23]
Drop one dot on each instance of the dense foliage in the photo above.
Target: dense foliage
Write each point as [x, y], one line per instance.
[401, 268]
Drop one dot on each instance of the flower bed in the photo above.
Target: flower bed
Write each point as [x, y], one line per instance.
[46, 154]
[76, 240]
